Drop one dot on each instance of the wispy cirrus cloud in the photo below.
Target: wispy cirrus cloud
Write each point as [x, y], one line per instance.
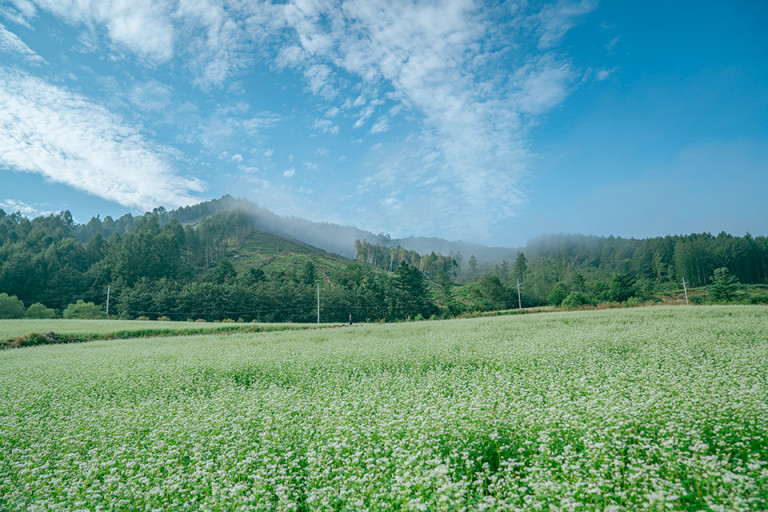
[68, 139]
[555, 20]
[140, 26]
[12, 44]
[468, 78]
[475, 101]
[215, 38]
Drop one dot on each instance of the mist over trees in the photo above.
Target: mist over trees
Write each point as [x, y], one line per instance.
[179, 264]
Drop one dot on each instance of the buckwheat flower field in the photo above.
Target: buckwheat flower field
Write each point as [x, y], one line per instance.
[638, 409]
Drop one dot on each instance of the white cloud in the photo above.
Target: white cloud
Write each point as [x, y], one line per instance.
[61, 135]
[151, 96]
[215, 37]
[469, 76]
[11, 43]
[604, 74]
[541, 84]
[556, 20]
[325, 126]
[225, 128]
[289, 173]
[143, 27]
[470, 155]
[26, 209]
[19, 11]
[612, 43]
[382, 125]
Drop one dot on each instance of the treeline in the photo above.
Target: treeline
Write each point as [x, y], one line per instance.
[389, 258]
[157, 269]
[608, 269]
[155, 266]
[661, 259]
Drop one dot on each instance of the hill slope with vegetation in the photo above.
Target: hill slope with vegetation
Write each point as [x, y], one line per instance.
[213, 261]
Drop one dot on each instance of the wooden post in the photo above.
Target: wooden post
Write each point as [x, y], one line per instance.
[519, 302]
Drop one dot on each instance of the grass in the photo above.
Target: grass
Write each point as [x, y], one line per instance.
[271, 253]
[14, 333]
[632, 409]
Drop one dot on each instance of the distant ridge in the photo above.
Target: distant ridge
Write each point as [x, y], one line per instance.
[336, 238]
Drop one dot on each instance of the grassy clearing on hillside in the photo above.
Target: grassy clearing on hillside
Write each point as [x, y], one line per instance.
[67, 331]
[274, 254]
[648, 408]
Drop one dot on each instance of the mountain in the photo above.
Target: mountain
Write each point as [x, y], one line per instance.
[482, 253]
[336, 238]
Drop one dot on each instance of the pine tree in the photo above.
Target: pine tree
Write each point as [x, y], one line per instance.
[724, 285]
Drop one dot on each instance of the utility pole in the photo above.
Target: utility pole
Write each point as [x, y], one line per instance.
[107, 300]
[685, 290]
[318, 302]
[519, 302]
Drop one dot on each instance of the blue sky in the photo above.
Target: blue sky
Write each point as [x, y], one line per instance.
[488, 122]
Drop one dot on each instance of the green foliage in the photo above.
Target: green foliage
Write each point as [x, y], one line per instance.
[11, 306]
[309, 273]
[473, 265]
[38, 310]
[574, 300]
[558, 294]
[390, 258]
[622, 287]
[224, 272]
[412, 296]
[520, 268]
[84, 310]
[724, 285]
[493, 294]
[446, 296]
[154, 264]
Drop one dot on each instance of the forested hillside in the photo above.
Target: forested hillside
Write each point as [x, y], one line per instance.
[213, 261]
[610, 269]
[220, 267]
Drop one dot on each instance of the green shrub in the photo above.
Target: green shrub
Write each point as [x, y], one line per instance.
[163, 319]
[11, 306]
[633, 302]
[558, 294]
[84, 310]
[38, 310]
[574, 300]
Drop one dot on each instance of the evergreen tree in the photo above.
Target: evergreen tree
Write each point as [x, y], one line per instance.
[309, 273]
[413, 297]
[520, 268]
[724, 285]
